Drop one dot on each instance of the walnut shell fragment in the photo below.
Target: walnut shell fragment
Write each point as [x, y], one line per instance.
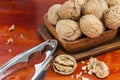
[112, 17]
[10, 40]
[11, 28]
[64, 64]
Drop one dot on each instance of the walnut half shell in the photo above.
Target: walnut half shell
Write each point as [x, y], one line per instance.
[64, 64]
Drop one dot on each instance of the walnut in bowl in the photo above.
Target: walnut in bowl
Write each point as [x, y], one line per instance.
[52, 14]
[112, 17]
[91, 26]
[95, 7]
[68, 29]
[113, 2]
[70, 9]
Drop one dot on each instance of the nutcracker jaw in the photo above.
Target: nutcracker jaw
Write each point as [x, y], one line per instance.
[41, 68]
[24, 57]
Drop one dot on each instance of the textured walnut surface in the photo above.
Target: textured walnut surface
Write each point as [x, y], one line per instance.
[68, 29]
[113, 2]
[98, 67]
[52, 14]
[70, 9]
[112, 17]
[95, 7]
[64, 64]
[91, 26]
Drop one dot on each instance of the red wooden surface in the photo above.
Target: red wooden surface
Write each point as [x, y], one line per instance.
[27, 15]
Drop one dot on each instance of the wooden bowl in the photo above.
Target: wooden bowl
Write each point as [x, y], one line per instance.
[83, 43]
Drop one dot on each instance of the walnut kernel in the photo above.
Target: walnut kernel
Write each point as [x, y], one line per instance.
[64, 64]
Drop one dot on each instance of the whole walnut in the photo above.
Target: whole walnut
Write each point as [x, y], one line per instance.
[112, 17]
[95, 7]
[113, 2]
[91, 26]
[52, 14]
[68, 29]
[70, 10]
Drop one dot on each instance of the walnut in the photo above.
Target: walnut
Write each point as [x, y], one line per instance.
[113, 2]
[64, 64]
[91, 26]
[97, 67]
[95, 7]
[68, 29]
[52, 14]
[70, 10]
[112, 17]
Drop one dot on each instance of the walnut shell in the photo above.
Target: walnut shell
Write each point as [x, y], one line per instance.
[68, 29]
[112, 17]
[113, 2]
[95, 7]
[80, 2]
[64, 64]
[52, 14]
[70, 10]
[91, 26]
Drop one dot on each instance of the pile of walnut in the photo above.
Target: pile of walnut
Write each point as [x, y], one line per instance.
[89, 17]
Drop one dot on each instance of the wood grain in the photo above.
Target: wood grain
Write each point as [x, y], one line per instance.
[27, 15]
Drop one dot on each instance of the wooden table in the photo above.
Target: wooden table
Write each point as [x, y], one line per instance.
[27, 15]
